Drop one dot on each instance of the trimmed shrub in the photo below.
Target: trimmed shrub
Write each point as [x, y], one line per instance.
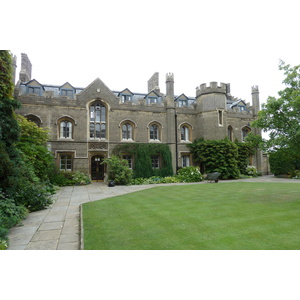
[65, 178]
[189, 174]
[118, 170]
[281, 162]
[251, 171]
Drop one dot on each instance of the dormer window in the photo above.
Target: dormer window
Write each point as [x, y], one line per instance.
[67, 92]
[126, 98]
[152, 100]
[182, 103]
[34, 90]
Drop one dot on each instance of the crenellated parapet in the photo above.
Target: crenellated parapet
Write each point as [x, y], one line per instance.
[169, 77]
[255, 89]
[212, 88]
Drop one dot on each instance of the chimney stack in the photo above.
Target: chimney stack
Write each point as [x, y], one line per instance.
[25, 73]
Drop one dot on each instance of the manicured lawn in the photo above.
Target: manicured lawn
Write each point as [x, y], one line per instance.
[235, 215]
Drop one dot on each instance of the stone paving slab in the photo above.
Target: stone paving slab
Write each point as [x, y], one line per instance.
[58, 227]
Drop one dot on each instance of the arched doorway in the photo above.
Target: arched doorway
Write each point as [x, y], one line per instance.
[97, 169]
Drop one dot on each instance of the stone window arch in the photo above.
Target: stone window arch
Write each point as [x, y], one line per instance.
[127, 130]
[66, 127]
[245, 132]
[230, 133]
[155, 129]
[35, 119]
[185, 132]
[97, 120]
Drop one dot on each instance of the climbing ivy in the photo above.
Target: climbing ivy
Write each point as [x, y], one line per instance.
[142, 153]
[216, 156]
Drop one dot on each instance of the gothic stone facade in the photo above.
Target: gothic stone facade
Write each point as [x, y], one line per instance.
[87, 123]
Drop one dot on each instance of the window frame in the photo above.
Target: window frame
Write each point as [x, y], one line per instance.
[154, 135]
[230, 133]
[220, 118]
[66, 132]
[184, 156]
[128, 132]
[99, 122]
[35, 88]
[245, 132]
[68, 157]
[63, 90]
[155, 162]
[129, 158]
[126, 98]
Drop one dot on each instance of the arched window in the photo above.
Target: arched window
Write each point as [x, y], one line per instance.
[97, 120]
[34, 119]
[245, 131]
[230, 133]
[155, 132]
[127, 131]
[66, 129]
[185, 133]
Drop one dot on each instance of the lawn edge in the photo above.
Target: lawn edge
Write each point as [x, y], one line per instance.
[81, 233]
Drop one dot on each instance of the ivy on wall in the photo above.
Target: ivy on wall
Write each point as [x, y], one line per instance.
[224, 156]
[142, 153]
[244, 152]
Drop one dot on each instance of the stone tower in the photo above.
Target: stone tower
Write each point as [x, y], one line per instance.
[211, 101]
[255, 100]
[25, 73]
[14, 68]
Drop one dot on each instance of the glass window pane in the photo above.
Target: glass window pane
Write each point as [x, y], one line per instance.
[129, 131]
[124, 132]
[92, 130]
[98, 131]
[92, 113]
[103, 131]
[103, 114]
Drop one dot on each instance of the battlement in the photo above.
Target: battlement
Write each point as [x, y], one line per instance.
[255, 89]
[169, 77]
[212, 88]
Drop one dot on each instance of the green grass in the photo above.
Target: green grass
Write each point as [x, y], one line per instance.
[203, 216]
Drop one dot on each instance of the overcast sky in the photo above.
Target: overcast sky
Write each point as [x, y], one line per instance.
[125, 42]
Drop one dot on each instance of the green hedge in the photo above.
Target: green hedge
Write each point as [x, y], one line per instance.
[281, 162]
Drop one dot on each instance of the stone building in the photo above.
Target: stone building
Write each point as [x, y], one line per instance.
[87, 123]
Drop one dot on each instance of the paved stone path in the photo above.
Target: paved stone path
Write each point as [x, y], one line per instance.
[58, 228]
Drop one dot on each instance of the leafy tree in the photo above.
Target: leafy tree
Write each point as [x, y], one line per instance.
[33, 144]
[281, 116]
[9, 129]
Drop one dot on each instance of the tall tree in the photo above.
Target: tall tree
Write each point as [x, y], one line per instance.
[281, 116]
[9, 129]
